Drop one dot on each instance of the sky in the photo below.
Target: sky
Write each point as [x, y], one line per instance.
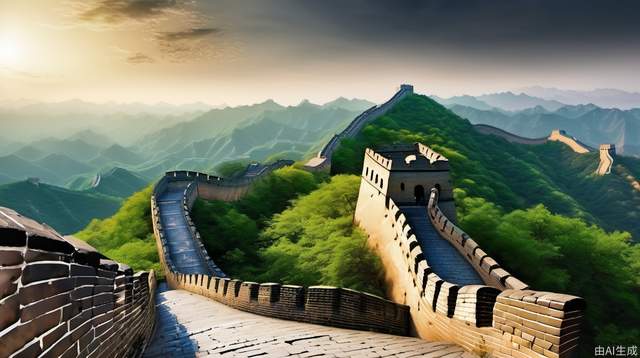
[246, 51]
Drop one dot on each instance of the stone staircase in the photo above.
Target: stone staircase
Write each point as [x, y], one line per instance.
[445, 260]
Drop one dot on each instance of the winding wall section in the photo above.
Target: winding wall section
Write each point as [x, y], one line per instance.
[500, 316]
[323, 159]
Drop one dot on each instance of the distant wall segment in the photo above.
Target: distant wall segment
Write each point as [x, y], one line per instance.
[502, 318]
[323, 159]
[60, 297]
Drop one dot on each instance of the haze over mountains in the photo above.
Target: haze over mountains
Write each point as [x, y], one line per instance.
[100, 154]
[534, 117]
[91, 156]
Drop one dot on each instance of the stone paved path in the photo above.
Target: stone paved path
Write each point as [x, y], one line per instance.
[183, 250]
[190, 325]
[445, 260]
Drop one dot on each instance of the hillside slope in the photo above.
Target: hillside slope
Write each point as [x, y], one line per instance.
[511, 175]
[67, 211]
[117, 182]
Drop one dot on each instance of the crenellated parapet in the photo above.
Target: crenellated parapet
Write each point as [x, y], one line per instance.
[60, 297]
[332, 306]
[500, 316]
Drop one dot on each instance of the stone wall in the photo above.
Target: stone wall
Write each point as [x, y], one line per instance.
[573, 143]
[323, 159]
[484, 319]
[60, 297]
[607, 152]
[510, 137]
[330, 306]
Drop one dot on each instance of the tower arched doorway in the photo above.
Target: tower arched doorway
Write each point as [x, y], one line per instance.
[418, 194]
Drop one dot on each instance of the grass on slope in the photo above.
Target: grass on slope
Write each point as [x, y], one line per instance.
[127, 236]
[67, 211]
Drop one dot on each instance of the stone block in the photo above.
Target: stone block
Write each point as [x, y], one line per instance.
[43, 271]
[38, 291]
[10, 257]
[8, 278]
[9, 311]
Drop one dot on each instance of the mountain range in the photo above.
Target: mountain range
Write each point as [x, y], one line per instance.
[591, 124]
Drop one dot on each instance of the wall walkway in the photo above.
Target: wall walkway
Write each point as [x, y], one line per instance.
[190, 324]
[445, 260]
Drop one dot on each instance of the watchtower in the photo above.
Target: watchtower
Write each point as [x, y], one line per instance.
[406, 174]
[607, 153]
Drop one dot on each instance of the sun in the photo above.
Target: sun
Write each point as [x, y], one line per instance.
[10, 50]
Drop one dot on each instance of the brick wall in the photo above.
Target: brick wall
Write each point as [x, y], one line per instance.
[60, 297]
[501, 319]
[331, 306]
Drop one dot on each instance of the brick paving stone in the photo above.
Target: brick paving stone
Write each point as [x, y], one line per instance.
[190, 325]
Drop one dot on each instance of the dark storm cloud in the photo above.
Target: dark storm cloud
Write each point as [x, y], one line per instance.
[475, 24]
[115, 11]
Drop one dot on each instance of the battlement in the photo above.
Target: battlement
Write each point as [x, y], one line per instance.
[501, 317]
[331, 306]
[60, 297]
[405, 172]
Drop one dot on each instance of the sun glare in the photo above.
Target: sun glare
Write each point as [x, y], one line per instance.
[10, 50]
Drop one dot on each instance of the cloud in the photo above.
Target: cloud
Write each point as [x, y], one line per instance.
[191, 34]
[140, 58]
[186, 45]
[120, 11]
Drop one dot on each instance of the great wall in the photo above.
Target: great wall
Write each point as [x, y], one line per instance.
[60, 297]
[607, 151]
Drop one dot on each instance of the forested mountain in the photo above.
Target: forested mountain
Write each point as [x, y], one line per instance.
[591, 124]
[510, 175]
[65, 210]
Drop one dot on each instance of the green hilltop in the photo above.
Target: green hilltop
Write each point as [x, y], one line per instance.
[65, 210]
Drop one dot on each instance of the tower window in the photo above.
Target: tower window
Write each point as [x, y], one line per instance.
[376, 178]
[381, 183]
[402, 186]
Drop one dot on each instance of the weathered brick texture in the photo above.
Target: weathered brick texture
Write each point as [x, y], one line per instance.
[502, 318]
[322, 305]
[61, 298]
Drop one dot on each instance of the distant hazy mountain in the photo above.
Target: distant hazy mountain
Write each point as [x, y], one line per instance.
[65, 210]
[73, 148]
[211, 123]
[14, 168]
[591, 124]
[507, 101]
[116, 182]
[62, 120]
[354, 104]
[510, 101]
[603, 97]
[116, 154]
[89, 136]
[467, 101]
[63, 166]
